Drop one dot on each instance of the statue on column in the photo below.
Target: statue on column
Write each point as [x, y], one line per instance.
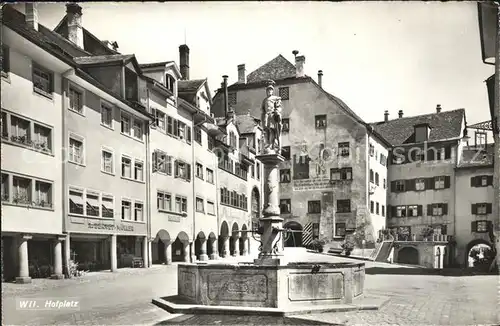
[271, 121]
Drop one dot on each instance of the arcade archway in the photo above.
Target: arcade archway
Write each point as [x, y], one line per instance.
[294, 238]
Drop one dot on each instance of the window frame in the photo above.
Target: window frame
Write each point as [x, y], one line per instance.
[5, 61]
[312, 204]
[103, 166]
[288, 203]
[103, 107]
[285, 122]
[142, 164]
[80, 139]
[197, 200]
[81, 91]
[165, 195]
[131, 208]
[319, 118]
[344, 148]
[125, 156]
[141, 203]
[41, 69]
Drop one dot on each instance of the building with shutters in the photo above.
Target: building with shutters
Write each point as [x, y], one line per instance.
[324, 182]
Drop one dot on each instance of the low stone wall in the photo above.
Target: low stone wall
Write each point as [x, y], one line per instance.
[271, 286]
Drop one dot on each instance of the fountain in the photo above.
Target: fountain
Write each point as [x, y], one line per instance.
[273, 284]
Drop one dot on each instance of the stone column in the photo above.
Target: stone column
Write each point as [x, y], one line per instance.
[245, 246]
[145, 251]
[192, 251]
[58, 270]
[24, 276]
[214, 255]
[203, 250]
[186, 250]
[150, 253]
[272, 240]
[67, 253]
[168, 253]
[113, 253]
[225, 248]
[236, 245]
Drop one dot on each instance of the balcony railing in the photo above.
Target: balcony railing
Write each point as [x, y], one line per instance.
[418, 237]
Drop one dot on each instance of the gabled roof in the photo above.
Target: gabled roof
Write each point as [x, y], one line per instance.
[108, 59]
[476, 157]
[246, 123]
[277, 68]
[443, 126]
[60, 28]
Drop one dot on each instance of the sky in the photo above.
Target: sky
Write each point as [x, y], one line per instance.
[375, 56]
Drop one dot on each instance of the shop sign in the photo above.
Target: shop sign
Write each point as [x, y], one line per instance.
[110, 227]
[174, 218]
[311, 184]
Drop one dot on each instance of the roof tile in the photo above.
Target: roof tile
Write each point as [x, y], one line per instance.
[246, 123]
[277, 68]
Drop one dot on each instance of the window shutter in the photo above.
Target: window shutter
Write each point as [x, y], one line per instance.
[393, 186]
[176, 169]
[473, 181]
[489, 208]
[394, 211]
[429, 210]
[445, 209]
[447, 152]
[176, 128]
[410, 185]
[473, 209]
[473, 226]
[188, 134]
[188, 171]
[419, 210]
[429, 183]
[51, 77]
[389, 211]
[447, 181]
[444, 229]
[155, 161]
[490, 180]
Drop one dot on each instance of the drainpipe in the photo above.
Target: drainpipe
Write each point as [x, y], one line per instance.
[148, 186]
[193, 179]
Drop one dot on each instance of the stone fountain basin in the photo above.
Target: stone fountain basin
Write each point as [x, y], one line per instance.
[285, 286]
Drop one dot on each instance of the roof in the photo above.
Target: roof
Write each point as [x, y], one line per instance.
[277, 68]
[97, 59]
[476, 157]
[443, 126]
[246, 123]
[155, 64]
[187, 89]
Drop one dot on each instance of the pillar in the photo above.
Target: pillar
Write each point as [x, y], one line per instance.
[150, 253]
[58, 265]
[236, 246]
[113, 253]
[22, 252]
[67, 253]
[168, 252]
[245, 246]
[225, 247]
[186, 251]
[203, 250]
[192, 251]
[145, 252]
[214, 255]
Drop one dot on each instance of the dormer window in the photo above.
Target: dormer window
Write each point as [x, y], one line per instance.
[131, 87]
[422, 133]
[480, 139]
[170, 82]
[232, 139]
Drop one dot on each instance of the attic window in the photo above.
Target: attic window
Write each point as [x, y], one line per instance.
[232, 98]
[421, 133]
[170, 82]
[284, 93]
[480, 139]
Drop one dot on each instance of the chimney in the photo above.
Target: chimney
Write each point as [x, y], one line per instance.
[320, 78]
[32, 15]
[184, 61]
[75, 29]
[242, 77]
[386, 115]
[400, 113]
[299, 66]
[295, 52]
[226, 96]
[438, 108]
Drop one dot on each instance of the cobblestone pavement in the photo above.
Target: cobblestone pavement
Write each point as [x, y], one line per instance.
[124, 298]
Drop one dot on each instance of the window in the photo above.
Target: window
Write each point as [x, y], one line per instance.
[385, 183]
[383, 210]
[76, 154]
[181, 130]
[211, 142]
[482, 208]
[420, 156]
[5, 59]
[170, 82]
[481, 226]
[188, 134]
[43, 194]
[480, 139]
[5, 127]
[42, 138]
[163, 201]
[314, 206]
[377, 208]
[210, 208]
[420, 184]
[197, 135]
[285, 152]
[126, 210]
[76, 202]
[107, 206]
[125, 120]
[92, 204]
[199, 205]
[285, 176]
[399, 185]
[400, 211]
[439, 182]
[436, 210]
[341, 174]
[138, 171]
[371, 176]
[75, 100]
[232, 139]
[285, 123]
[42, 79]
[252, 171]
[138, 211]
[344, 149]
[162, 162]
[20, 130]
[481, 181]
[320, 121]
[383, 159]
[182, 170]
[284, 93]
[258, 171]
[232, 99]
[340, 229]
[126, 167]
[107, 116]
[160, 120]
[180, 204]
[170, 125]
[107, 164]
[377, 179]
[210, 176]
[372, 206]
[413, 210]
[199, 171]
[5, 187]
[285, 206]
[137, 127]
[372, 150]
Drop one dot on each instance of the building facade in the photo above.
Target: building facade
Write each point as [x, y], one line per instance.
[324, 187]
